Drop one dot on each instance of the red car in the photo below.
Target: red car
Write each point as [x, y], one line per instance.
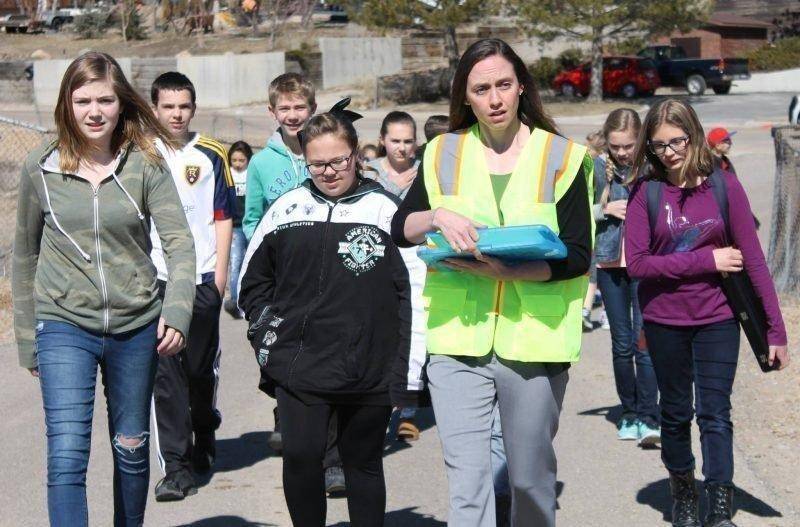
[625, 76]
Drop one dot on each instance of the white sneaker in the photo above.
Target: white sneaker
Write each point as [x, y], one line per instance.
[604, 320]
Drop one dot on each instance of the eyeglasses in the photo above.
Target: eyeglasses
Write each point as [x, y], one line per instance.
[677, 145]
[337, 165]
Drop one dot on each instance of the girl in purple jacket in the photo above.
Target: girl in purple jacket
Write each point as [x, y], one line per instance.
[690, 328]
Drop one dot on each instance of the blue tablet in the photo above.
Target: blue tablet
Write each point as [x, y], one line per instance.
[519, 243]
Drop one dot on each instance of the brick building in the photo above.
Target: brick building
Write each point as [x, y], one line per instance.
[724, 35]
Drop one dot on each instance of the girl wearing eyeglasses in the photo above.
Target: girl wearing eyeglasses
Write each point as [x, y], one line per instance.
[692, 335]
[335, 319]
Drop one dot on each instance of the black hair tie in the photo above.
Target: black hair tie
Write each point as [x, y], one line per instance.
[340, 111]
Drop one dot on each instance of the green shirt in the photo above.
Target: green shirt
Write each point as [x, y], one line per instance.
[499, 184]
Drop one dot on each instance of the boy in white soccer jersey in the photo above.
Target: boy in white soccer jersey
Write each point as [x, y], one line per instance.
[186, 383]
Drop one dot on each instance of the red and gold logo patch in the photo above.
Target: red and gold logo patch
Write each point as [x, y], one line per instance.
[191, 173]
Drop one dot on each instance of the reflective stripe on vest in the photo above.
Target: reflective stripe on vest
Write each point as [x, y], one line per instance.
[449, 154]
[520, 320]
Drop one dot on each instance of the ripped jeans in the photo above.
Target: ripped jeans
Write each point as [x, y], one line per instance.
[68, 357]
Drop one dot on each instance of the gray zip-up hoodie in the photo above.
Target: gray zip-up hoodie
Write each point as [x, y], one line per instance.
[82, 254]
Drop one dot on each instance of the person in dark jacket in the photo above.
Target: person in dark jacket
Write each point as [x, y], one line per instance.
[335, 319]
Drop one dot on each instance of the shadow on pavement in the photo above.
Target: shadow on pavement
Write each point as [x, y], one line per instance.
[424, 420]
[611, 413]
[237, 453]
[226, 521]
[405, 518]
[657, 496]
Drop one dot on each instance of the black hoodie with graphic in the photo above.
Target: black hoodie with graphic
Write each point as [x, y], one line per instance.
[335, 308]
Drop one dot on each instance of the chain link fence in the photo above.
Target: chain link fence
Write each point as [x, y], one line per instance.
[784, 243]
[17, 139]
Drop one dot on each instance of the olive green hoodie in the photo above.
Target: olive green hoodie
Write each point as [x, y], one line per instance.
[82, 254]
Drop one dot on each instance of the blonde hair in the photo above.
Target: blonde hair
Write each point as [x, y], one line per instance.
[137, 124]
[595, 143]
[677, 113]
[291, 84]
[620, 120]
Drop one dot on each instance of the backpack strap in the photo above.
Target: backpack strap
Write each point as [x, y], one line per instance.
[655, 188]
[720, 190]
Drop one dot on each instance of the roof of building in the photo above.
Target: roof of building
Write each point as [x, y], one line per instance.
[726, 20]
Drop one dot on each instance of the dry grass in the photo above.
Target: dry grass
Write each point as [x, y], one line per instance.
[765, 414]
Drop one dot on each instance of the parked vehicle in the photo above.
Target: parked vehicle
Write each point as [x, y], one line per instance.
[622, 76]
[16, 23]
[675, 69]
[55, 19]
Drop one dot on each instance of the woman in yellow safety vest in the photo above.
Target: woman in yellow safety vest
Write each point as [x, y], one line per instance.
[500, 334]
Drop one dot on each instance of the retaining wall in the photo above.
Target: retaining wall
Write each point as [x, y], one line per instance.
[348, 60]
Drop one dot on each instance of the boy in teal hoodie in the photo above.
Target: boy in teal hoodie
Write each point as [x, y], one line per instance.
[280, 166]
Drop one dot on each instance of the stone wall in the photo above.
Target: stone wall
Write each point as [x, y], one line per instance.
[416, 86]
[145, 71]
[16, 84]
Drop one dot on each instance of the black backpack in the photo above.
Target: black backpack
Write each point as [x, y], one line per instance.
[746, 305]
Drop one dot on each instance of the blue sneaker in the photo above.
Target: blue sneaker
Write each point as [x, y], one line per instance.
[649, 434]
[628, 429]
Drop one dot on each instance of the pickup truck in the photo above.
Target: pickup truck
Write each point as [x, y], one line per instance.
[675, 69]
[55, 19]
[16, 23]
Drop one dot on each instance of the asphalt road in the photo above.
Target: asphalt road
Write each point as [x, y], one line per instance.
[602, 482]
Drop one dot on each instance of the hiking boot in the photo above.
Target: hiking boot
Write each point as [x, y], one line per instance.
[334, 481]
[232, 309]
[720, 499]
[204, 452]
[407, 430]
[685, 504]
[275, 440]
[587, 320]
[628, 428]
[649, 433]
[175, 486]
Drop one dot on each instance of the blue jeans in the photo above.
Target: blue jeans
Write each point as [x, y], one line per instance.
[706, 357]
[633, 368]
[68, 357]
[238, 249]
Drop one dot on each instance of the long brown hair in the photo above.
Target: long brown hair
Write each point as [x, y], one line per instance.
[530, 111]
[137, 124]
[620, 120]
[681, 115]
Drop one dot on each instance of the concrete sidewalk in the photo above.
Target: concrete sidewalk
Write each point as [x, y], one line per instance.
[602, 481]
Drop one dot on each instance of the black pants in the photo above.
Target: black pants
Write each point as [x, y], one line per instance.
[362, 430]
[186, 384]
[705, 356]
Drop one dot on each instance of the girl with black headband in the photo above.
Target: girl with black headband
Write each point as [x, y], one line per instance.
[335, 320]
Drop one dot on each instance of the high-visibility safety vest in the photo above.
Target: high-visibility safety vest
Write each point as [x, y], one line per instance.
[469, 315]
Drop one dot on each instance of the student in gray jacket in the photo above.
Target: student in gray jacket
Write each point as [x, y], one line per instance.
[84, 287]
